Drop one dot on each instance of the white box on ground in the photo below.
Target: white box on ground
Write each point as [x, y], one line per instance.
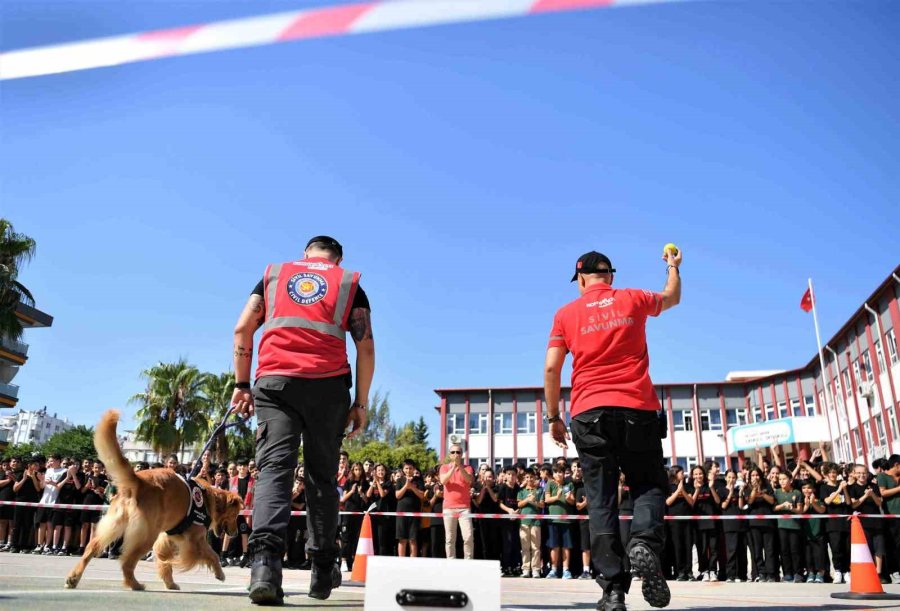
[388, 575]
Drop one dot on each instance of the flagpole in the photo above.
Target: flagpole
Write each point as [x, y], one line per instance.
[829, 399]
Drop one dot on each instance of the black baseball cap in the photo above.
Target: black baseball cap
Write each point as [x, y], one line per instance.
[593, 263]
[328, 241]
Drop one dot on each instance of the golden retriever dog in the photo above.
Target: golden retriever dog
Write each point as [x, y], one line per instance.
[148, 504]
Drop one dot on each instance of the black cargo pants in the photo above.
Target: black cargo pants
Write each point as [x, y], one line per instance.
[607, 439]
[286, 409]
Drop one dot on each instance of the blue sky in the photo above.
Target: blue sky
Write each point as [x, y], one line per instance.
[464, 168]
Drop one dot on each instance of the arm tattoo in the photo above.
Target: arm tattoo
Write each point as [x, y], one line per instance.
[258, 306]
[242, 353]
[360, 324]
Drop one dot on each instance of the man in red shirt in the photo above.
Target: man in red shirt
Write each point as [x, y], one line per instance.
[615, 419]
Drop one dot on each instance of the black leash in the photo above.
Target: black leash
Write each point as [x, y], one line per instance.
[224, 425]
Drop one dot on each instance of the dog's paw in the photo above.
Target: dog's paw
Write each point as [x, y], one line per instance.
[220, 575]
[137, 587]
[174, 586]
[71, 582]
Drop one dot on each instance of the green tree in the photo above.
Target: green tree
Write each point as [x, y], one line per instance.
[173, 411]
[78, 442]
[421, 431]
[394, 455]
[15, 249]
[378, 423]
[20, 449]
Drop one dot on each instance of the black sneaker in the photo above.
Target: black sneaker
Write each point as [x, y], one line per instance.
[265, 580]
[613, 600]
[49, 551]
[323, 580]
[653, 585]
[245, 561]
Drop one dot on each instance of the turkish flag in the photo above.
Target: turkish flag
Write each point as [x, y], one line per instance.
[806, 302]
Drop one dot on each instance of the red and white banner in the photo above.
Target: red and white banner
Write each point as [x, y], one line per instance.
[511, 516]
[336, 20]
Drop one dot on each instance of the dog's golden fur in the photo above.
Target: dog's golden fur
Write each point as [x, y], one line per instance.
[148, 504]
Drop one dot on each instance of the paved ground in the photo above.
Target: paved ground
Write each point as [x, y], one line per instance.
[36, 582]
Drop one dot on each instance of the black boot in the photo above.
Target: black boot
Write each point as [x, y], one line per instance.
[645, 563]
[613, 600]
[323, 579]
[265, 579]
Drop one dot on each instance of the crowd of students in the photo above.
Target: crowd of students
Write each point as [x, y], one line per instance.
[801, 550]
[62, 484]
[788, 550]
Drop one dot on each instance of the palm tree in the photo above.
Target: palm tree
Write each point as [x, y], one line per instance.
[15, 249]
[173, 411]
[218, 390]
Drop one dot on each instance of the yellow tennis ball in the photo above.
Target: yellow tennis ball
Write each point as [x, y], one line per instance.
[670, 247]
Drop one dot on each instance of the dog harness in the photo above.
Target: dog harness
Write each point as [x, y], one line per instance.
[196, 512]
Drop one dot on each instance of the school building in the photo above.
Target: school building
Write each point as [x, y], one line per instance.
[858, 397]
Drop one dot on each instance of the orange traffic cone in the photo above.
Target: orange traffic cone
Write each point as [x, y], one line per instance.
[864, 581]
[364, 549]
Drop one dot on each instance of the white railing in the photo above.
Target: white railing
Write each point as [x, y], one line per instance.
[10, 390]
[15, 346]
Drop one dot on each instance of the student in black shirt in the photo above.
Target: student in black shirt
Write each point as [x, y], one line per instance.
[833, 494]
[759, 497]
[296, 540]
[7, 479]
[69, 494]
[410, 492]
[734, 531]
[680, 502]
[95, 490]
[28, 490]
[434, 495]
[355, 498]
[382, 494]
[865, 497]
[705, 504]
[507, 496]
[487, 501]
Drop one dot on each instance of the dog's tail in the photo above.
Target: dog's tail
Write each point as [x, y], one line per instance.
[117, 466]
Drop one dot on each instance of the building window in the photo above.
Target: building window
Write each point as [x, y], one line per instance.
[682, 420]
[857, 440]
[846, 375]
[478, 423]
[867, 364]
[879, 354]
[892, 423]
[757, 414]
[770, 411]
[733, 417]
[796, 408]
[526, 423]
[503, 423]
[879, 430]
[782, 409]
[710, 420]
[810, 402]
[892, 346]
[868, 429]
[858, 377]
[846, 446]
[456, 424]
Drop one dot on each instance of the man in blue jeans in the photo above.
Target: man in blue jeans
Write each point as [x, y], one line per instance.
[615, 421]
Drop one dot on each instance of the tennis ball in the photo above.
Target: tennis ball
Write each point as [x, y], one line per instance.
[670, 247]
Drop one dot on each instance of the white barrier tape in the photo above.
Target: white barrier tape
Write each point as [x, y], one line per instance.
[520, 516]
[340, 20]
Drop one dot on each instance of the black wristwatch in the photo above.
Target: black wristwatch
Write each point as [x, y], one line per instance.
[242, 385]
[552, 419]
[677, 271]
[357, 405]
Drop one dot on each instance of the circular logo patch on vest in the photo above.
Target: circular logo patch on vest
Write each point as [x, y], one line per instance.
[307, 288]
[197, 496]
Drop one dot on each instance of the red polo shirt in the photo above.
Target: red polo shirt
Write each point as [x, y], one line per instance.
[604, 329]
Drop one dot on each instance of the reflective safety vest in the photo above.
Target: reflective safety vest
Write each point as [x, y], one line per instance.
[307, 307]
